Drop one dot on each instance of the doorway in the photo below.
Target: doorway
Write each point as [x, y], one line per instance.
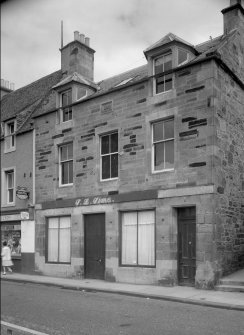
[186, 245]
[94, 225]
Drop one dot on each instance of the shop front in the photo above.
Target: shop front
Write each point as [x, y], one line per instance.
[18, 230]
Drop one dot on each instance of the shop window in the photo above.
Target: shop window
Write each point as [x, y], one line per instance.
[138, 238]
[12, 235]
[10, 138]
[163, 145]
[109, 156]
[163, 79]
[66, 164]
[58, 240]
[66, 109]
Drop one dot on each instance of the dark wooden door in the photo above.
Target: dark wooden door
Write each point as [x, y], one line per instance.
[187, 245]
[94, 246]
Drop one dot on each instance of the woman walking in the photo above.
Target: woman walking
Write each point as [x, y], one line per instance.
[6, 258]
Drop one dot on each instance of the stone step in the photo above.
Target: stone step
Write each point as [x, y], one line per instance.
[231, 282]
[230, 288]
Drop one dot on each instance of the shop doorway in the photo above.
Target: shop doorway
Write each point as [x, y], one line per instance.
[94, 245]
[186, 245]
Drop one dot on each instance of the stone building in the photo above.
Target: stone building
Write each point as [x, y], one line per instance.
[140, 177]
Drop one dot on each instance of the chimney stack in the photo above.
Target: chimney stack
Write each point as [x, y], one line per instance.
[78, 56]
[233, 16]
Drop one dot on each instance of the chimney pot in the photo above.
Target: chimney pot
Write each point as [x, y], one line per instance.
[87, 41]
[82, 38]
[12, 86]
[7, 84]
[76, 35]
[2, 82]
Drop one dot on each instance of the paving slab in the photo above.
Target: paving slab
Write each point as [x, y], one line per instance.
[190, 295]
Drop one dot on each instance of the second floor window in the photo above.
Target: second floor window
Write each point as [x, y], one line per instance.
[163, 81]
[163, 145]
[109, 156]
[66, 100]
[9, 136]
[66, 164]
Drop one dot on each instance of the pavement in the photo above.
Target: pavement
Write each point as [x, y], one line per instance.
[181, 294]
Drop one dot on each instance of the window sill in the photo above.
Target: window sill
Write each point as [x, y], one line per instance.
[107, 180]
[163, 171]
[66, 185]
[6, 151]
[137, 266]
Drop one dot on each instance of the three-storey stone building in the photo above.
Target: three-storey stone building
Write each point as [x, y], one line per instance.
[140, 177]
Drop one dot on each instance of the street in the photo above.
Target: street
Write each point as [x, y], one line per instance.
[58, 311]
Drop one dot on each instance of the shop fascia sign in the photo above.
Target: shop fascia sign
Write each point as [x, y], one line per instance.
[22, 192]
[93, 201]
[15, 217]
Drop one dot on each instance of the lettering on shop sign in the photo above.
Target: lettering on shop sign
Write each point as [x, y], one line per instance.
[93, 201]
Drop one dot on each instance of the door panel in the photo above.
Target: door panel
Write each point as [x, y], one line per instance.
[94, 246]
[187, 245]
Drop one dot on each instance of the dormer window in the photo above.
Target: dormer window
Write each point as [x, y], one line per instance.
[66, 109]
[163, 80]
[10, 137]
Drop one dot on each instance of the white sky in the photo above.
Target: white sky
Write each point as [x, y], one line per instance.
[119, 31]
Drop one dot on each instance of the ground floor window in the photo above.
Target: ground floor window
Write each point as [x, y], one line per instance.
[58, 239]
[12, 235]
[138, 238]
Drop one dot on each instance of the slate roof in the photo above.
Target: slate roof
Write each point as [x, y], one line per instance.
[39, 98]
[22, 102]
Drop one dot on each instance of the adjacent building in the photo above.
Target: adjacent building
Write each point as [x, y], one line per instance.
[140, 177]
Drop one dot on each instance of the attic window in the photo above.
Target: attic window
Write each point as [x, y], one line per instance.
[124, 82]
[10, 138]
[183, 57]
[162, 64]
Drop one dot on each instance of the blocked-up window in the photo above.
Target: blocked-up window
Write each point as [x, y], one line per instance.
[10, 137]
[109, 156]
[163, 145]
[66, 101]
[59, 239]
[163, 80]
[66, 164]
[138, 238]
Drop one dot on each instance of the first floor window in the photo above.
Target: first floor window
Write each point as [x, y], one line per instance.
[58, 235]
[66, 164]
[163, 145]
[9, 187]
[109, 156]
[138, 238]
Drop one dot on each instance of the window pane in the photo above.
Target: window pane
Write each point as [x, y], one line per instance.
[129, 238]
[52, 244]
[158, 131]
[64, 222]
[168, 82]
[66, 98]
[105, 144]
[159, 156]
[63, 152]
[106, 167]
[114, 166]
[64, 245]
[169, 154]
[53, 223]
[168, 62]
[159, 65]
[70, 150]
[168, 129]
[64, 172]
[114, 142]
[10, 195]
[70, 164]
[182, 56]
[146, 238]
[159, 86]
[10, 179]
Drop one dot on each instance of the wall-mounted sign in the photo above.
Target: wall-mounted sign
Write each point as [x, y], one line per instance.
[10, 217]
[22, 192]
[24, 215]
